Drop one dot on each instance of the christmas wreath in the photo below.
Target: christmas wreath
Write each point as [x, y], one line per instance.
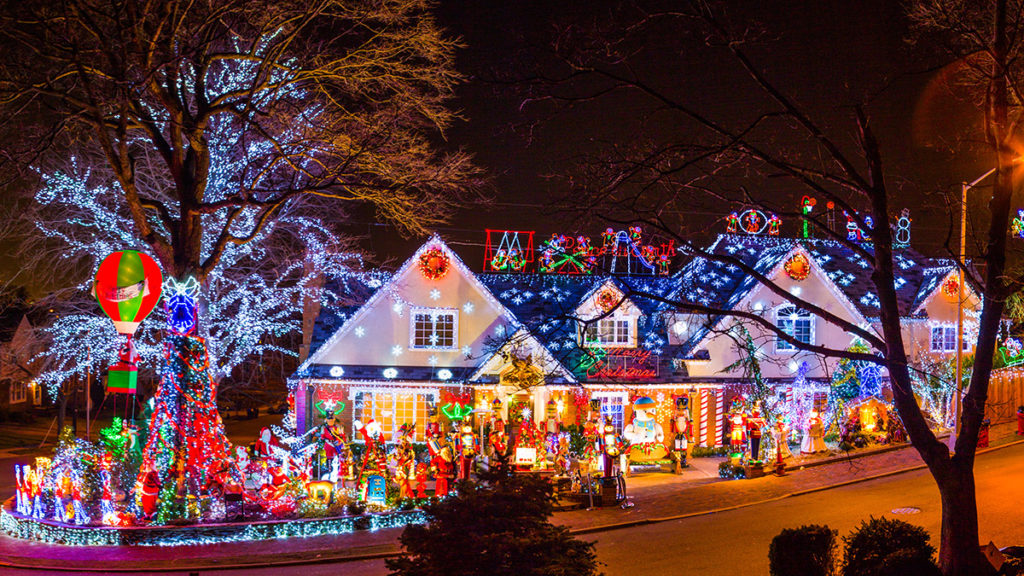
[434, 263]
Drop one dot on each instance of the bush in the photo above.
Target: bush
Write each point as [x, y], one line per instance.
[730, 472]
[804, 551]
[908, 563]
[869, 547]
[498, 527]
[705, 451]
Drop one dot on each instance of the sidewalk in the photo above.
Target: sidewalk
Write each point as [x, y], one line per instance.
[656, 498]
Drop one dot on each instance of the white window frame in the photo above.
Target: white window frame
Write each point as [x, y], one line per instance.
[430, 395]
[417, 311]
[947, 341]
[785, 313]
[19, 392]
[616, 321]
[608, 402]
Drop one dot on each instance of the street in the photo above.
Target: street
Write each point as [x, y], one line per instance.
[737, 541]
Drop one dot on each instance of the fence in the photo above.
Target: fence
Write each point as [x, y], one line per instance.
[1005, 393]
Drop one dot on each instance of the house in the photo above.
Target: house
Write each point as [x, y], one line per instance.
[435, 337]
[18, 367]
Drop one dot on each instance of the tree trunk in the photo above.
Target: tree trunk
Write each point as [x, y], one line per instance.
[959, 550]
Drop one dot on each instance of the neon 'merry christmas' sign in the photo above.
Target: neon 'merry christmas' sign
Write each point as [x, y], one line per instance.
[620, 364]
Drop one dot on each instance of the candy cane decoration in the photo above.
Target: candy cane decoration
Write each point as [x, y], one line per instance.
[719, 417]
[702, 437]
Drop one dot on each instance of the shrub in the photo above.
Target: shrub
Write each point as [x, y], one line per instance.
[868, 547]
[804, 551]
[730, 472]
[705, 451]
[908, 563]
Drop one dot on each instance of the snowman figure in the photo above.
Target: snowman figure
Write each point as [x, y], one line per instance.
[644, 428]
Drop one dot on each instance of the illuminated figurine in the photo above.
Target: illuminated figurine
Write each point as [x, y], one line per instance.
[635, 234]
[516, 261]
[853, 233]
[441, 458]
[773, 225]
[21, 497]
[77, 504]
[754, 425]
[612, 447]
[644, 429]
[34, 483]
[752, 222]
[335, 447]
[1020, 420]
[732, 223]
[500, 260]
[467, 448]
[780, 433]
[664, 260]
[681, 430]
[61, 488]
[421, 480]
[497, 438]
[405, 457]
[149, 491]
[814, 437]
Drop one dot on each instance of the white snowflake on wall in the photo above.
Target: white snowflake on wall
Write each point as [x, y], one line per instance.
[435, 294]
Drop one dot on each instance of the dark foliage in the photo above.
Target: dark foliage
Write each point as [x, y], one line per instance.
[499, 526]
[804, 551]
[880, 546]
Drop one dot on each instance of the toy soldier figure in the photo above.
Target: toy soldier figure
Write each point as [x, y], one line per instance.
[682, 430]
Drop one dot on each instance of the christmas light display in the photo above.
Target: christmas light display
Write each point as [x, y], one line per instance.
[951, 286]
[434, 263]
[806, 207]
[1017, 226]
[902, 236]
[510, 255]
[180, 303]
[798, 267]
[1012, 352]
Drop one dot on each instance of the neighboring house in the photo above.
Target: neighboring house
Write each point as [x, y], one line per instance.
[437, 337]
[18, 368]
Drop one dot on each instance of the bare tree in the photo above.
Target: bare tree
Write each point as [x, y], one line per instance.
[732, 156]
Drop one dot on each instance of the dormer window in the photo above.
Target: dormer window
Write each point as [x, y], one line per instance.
[611, 332]
[434, 328]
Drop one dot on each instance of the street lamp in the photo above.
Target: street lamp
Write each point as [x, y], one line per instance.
[960, 303]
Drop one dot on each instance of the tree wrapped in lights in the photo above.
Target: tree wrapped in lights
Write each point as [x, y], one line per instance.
[186, 441]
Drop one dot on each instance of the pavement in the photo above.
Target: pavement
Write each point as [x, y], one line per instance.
[656, 499]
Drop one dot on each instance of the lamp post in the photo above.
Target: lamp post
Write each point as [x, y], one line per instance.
[960, 304]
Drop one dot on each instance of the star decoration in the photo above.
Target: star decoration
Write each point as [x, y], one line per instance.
[435, 294]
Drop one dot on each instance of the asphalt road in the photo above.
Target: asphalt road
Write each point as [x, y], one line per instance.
[736, 542]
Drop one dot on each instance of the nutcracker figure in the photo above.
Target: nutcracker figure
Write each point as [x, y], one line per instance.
[754, 425]
[497, 438]
[681, 430]
[335, 446]
[405, 458]
[467, 449]
[612, 447]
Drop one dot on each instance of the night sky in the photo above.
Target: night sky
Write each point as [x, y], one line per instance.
[827, 55]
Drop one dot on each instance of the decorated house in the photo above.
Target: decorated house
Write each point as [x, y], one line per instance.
[437, 338]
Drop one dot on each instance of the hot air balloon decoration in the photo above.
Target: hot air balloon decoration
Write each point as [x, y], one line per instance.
[127, 286]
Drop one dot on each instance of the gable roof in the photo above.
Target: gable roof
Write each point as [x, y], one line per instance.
[339, 321]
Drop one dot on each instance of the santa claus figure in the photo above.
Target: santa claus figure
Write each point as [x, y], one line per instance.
[149, 491]
[497, 438]
[738, 423]
[441, 460]
[373, 435]
[266, 445]
[421, 480]
[467, 449]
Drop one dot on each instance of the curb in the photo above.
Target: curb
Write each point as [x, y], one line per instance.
[641, 522]
[579, 531]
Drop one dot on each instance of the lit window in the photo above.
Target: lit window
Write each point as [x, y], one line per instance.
[19, 391]
[392, 409]
[944, 339]
[609, 332]
[796, 322]
[613, 405]
[434, 328]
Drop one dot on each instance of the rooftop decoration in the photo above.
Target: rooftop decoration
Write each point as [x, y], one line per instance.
[806, 206]
[753, 222]
[902, 237]
[434, 263]
[510, 255]
[798, 267]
